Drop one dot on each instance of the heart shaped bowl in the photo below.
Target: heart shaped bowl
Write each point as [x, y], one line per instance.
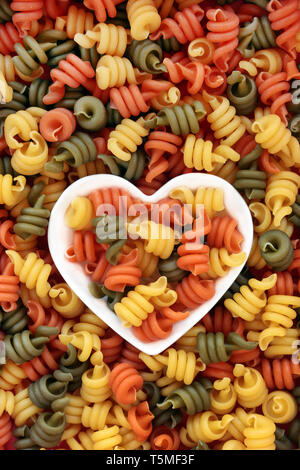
[60, 237]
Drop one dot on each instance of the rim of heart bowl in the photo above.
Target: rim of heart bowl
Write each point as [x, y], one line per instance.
[60, 238]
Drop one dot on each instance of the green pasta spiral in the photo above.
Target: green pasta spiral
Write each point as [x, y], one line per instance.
[33, 220]
[153, 394]
[201, 446]
[5, 11]
[294, 126]
[147, 56]
[169, 45]
[90, 55]
[77, 150]
[37, 90]
[242, 92]
[63, 45]
[294, 432]
[5, 166]
[90, 113]
[131, 170]
[296, 393]
[121, 18]
[282, 442]
[242, 280]
[23, 440]
[276, 249]
[256, 35]
[18, 103]
[295, 216]
[31, 55]
[69, 364]
[15, 321]
[113, 116]
[48, 429]
[49, 389]
[111, 229]
[99, 291]
[249, 179]
[168, 417]
[24, 346]
[192, 398]
[70, 98]
[182, 119]
[168, 267]
[35, 192]
[213, 347]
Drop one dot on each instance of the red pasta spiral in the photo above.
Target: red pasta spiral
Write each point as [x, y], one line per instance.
[7, 238]
[125, 381]
[39, 317]
[43, 364]
[243, 356]
[194, 257]
[215, 81]
[84, 247]
[296, 261]
[126, 273]
[224, 233]
[284, 284]
[140, 419]
[72, 72]
[245, 145]
[274, 92]
[184, 69]
[223, 27]
[176, 165]
[9, 36]
[98, 270]
[279, 373]
[9, 288]
[247, 12]
[284, 15]
[172, 211]
[163, 438]
[192, 291]
[57, 125]
[111, 346]
[267, 163]
[27, 12]
[184, 27]
[158, 145]
[6, 428]
[218, 371]
[151, 188]
[222, 320]
[103, 8]
[155, 327]
[130, 355]
[55, 8]
[103, 199]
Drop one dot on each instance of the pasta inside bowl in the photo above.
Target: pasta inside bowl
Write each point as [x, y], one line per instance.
[60, 238]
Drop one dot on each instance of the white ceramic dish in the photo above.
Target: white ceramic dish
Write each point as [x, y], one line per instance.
[60, 238]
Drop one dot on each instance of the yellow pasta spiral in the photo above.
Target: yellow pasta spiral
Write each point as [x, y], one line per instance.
[222, 397]
[7, 402]
[251, 299]
[110, 39]
[88, 321]
[280, 407]
[129, 441]
[220, 262]
[255, 259]
[277, 317]
[199, 154]
[20, 201]
[210, 198]
[24, 408]
[32, 271]
[285, 345]
[232, 444]
[265, 220]
[65, 301]
[160, 239]
[95, 417]
[113, 71]
[74, 409]
[126, 137]
[31, 158]
[85, 342]
[272, 135]
[223, 120]
[143, 18]
[95, 388]
[167, 385]
[238, 424]
[81, 441]
[106, 439]
[206, 427]
[20, 124]
[249, 386]
[136, 306]
[6, 92]
[188, 341]
[9, 192]
[181, 365]
[79, 214]
[259, 433]
[268, 60]
[78, 20]
[30, 294]
[281, 192]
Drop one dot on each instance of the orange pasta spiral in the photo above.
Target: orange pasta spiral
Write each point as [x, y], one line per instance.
[102, 8]
[119, 198]
[83, 247]
[7, 239]
[130, 355]
[6, 426]
[218, 370]
[39, 317]
[184, 27]
[9, 36]
[284, 15]
[193, 72]
[42, 365]
[26, 12]
[140, 419]
[284, 284]
[55, 8]
[279, 373]
[163, 438]
[57, 125]
[192, 291]
[125, 381]
[9, 288]
[224, 233]
[153, 328]
[223, 26]
[111, 346]
[274, 92]
[126, 273]
[78, 20]
[159, 144]
[72, 72]
[222, 320]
